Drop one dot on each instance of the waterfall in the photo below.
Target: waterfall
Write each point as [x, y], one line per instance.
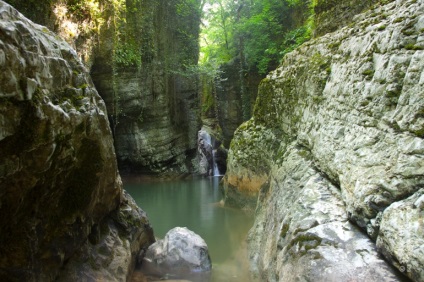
[207, 152]
[215, 165]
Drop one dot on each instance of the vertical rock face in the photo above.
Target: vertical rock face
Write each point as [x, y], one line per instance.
[140, 54]
[58, 172]
[331, 15]
[154, 107]
[337, 139]
[303, 232]
[234, 100]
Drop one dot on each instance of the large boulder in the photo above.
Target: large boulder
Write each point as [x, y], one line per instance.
[352, 103]
[181, 254]
[59, 182]
[113, 248]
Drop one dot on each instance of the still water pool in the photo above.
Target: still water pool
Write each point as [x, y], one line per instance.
[195, 204]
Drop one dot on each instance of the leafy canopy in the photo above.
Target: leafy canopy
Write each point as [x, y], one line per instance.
[261, 31]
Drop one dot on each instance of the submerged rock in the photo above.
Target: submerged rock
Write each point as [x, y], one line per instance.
[181, 254]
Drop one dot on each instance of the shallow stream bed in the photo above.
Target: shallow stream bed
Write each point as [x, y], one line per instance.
[195, 204]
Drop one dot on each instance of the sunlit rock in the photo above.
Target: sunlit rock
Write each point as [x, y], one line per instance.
[181, 254]
[302, 232]
[351, 102]
[401, 237]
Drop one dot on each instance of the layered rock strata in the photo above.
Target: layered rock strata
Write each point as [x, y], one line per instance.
[336, 141]
[60, 191]
[154, 107]
[235, 95]
[141, 55]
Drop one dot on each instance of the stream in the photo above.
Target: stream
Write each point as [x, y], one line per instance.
[195, 204]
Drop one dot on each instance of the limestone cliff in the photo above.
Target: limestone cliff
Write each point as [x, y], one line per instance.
[331, 15]
[335, 142]
[235, 95]
[153, 103]
[141, 55]
[61, 197]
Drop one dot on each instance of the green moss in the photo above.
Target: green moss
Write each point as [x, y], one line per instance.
[413, 47]
[334, 45]
[408, 32]
[369, 73]
[318, 99]
[305, 242]
[208, 101]
[420, 132]
[83, 86]
[381, 28]
[319, 61]
[284, 230]
[264, 101]
[398, 20]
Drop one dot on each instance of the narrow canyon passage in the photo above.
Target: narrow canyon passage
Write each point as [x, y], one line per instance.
[195, 204]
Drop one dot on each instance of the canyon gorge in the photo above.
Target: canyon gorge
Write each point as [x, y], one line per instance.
[322, 142]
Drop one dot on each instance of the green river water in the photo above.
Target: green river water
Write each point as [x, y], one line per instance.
[195, 204]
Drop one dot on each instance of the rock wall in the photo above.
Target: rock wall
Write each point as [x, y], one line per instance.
[141, 55]
[154, 107]
[336, 143]
[331, 15]
[60, 191]
[235, 96]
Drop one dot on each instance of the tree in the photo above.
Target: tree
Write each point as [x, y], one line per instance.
[259, 31]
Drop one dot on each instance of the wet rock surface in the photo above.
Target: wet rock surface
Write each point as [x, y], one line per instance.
[351, 102]
[212, 155]
[59, 182]
[181, 254]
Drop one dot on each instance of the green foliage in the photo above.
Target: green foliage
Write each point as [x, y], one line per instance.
[36, 10]
[294, 39]
[127, 54]
[84, 9]
[259, 32]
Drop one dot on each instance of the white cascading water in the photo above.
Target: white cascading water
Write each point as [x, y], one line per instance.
[215, 165]
[208, 144]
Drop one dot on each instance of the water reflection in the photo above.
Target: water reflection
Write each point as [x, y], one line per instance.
[195, 204]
